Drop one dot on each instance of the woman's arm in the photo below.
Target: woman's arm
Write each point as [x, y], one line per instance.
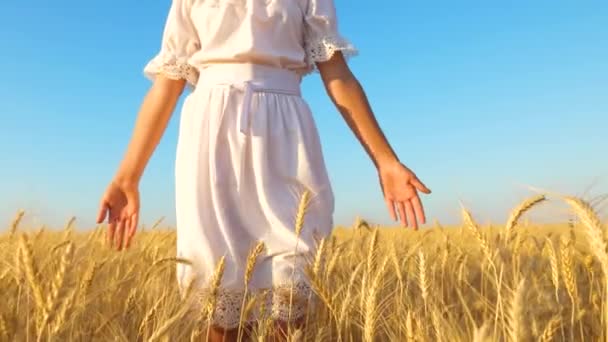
[154, 114]
[349, 97]
[120, 202]
[399, 184]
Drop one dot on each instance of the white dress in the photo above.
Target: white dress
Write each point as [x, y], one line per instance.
[248, 145]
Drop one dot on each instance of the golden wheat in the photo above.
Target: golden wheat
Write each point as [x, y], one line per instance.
[515, 316]
[15, 224]
[371, 309]
[550, 330]
[518, 212]
[374, 284]
[554, 267]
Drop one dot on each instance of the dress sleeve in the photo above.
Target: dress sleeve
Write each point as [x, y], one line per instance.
[322, 37]
[179, 42]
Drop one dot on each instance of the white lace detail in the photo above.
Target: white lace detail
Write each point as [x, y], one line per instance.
[323, 48]
[172, 67]
[273, 303]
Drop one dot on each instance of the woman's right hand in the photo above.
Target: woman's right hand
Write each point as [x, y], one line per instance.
[120, 205]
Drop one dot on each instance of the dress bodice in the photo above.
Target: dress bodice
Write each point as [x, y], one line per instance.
[290, 34]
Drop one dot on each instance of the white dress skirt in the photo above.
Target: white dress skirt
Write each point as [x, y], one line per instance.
[248, 147]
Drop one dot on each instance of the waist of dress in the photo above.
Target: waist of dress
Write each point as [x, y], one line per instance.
[248, 77]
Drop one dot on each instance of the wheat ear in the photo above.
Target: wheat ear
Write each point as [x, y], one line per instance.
[518, 212]
[549, 332]
[371, 309]
[213, 292]
[249, 268]
[514, 322]
[16, 221]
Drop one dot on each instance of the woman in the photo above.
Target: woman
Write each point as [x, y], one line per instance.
[248, 146]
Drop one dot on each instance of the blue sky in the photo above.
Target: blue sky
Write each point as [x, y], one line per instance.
[480, 98]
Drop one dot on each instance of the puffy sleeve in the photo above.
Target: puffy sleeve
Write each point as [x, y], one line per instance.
[179, 42]
[322, 37]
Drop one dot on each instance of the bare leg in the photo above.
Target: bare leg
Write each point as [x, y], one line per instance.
[221, 335]
[281, 329]
[217, 334]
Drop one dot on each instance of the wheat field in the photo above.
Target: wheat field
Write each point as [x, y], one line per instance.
[514, 282]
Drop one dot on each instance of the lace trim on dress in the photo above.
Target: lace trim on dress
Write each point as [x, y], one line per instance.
[323, 48]
[172, 67]
[273, 303]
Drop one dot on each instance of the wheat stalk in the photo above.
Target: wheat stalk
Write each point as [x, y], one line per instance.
[250, 266]
[481, 334]
[371, 310]
[16, 221]
[301, 212]
[171, 260]
[554, 267]
[149, 315]
[39, 233]
[163, 329]
[58, 281]
[462, 270]
[397, 267]
[87, 280]
[549, 332]
[409, 327]
[30, 271]
[316, 267]
[346, 303]
[68, 228]
[371, 252]
[130, 302]
[4, 336]
[318, 260]
[593, 228]
[63, 310]
[515, 314]
[437, 327]
[518, 211]
[55, 296]
[595, 235]
[331, 264]
[423, 281]
[5, 275]
[567, 264]
[474, 229]
[213, 292]
[157, 223]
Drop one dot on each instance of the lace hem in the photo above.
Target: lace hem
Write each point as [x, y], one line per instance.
[323, 48]
[273, 303]
[173, 67]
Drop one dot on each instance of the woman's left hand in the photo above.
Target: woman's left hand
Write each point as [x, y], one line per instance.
[400, 187]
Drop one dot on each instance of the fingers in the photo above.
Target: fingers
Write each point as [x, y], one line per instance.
[391, 208]
[127, 233]
[111, 230]
[119, 233]
[419, 211]
[130, 229]
[134, 222]
[409, 210]
[103, 211]
[420, 186]
[402, 214]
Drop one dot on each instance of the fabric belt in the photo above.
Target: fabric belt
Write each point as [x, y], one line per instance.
[246, 79]
[250, 78]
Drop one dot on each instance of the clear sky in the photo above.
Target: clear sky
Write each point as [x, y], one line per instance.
[480, 98]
